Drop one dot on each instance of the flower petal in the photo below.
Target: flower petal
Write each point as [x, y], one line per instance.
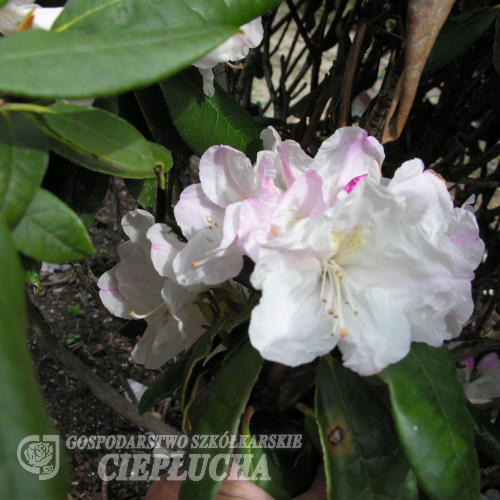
[290, 324]
[111, 297]
[226, 175]
[194, 211]
[349, 153]
[135, 225]
[164, 248]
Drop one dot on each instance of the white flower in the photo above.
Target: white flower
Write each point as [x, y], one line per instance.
[134, 289]
[233, 49]
[362, 278]
[25, 14]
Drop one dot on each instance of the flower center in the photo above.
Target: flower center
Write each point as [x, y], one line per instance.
[335, 293]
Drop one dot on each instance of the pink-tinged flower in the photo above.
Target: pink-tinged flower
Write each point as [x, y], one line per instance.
[135, 289]
[208, 214]
[361, 277]
[342, 160]
[233, 49]
[484, 382]
[23, 14]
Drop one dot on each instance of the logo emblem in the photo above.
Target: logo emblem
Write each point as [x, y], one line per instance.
[39, 455]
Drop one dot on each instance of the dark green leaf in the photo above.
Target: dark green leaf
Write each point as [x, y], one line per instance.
[457, 35]
[38, 63]
[217, 409]
[363, 459]
[96, 16]
[24, 155]
[50, 231]
[207, 121]
[496, 45]
[144, 191]
[100, 141]
[181, 371]
[162, 156]
[22, 414]
[487, 434]
[433, 423]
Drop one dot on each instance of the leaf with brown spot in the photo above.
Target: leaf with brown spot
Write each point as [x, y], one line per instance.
[424, 21]
[362, 456]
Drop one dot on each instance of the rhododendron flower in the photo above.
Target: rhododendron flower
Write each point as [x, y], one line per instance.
[23, 14]
[134, 289]
[233, 49]
[484, 381]
[361, 277]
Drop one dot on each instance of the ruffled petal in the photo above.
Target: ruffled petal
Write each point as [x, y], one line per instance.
[194, 211]
[295, 161]
[349, 153]
[204, 261]
[135, 225]
[164, 248]
[377, 336]
[111, 297]
[226, 175]
[208, 81]
[290, 324]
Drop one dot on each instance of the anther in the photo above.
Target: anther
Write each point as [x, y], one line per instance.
[274, 231]
[210, 227]
[324, 300]
[343, 332]
[218, 225]
[332, 334]
[209, 219]
[335, 316]
[210, 240]
[356, 313]
[330, 311]
[346, 302]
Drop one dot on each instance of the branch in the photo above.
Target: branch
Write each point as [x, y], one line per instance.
[101, 390]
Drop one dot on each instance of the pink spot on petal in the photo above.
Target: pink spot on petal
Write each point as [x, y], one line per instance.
[469, 363]
[489, 363]
[353, 183]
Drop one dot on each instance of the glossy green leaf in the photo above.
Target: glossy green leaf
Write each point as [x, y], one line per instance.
[217, 409]
[24, 155]
[22, 412]
[207, 121]
[144, 191]
[496, 45]
[433, 423]
[38, 63]
[162, 156]
[100, 141]
[457, 35]
[50, 231]
[98, 16]
[363, 459]
[181, 371]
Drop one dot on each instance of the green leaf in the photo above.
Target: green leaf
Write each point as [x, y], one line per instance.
[207, 121]
[97, 16]
[144, 191]
[217, 409]
[162, 156]
[74, 66]
[363, 459]
[487, 434]
[24, 155]
[101, 141]
[22, 414]
[433, 423]
[3, 2]
[283, 484]
[81, 189]
[181, 371]
[457, 35]
[50, 231]
[496, 45]
[31, 272]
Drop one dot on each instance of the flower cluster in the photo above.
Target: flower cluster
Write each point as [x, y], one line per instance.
[342, 257]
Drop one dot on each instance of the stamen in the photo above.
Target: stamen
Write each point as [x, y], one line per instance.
[210, 240]
[343, 333]
[234, 66]
[209, 219]
[274, 231]
[323, 285]
[142, 316]
[218, 225]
